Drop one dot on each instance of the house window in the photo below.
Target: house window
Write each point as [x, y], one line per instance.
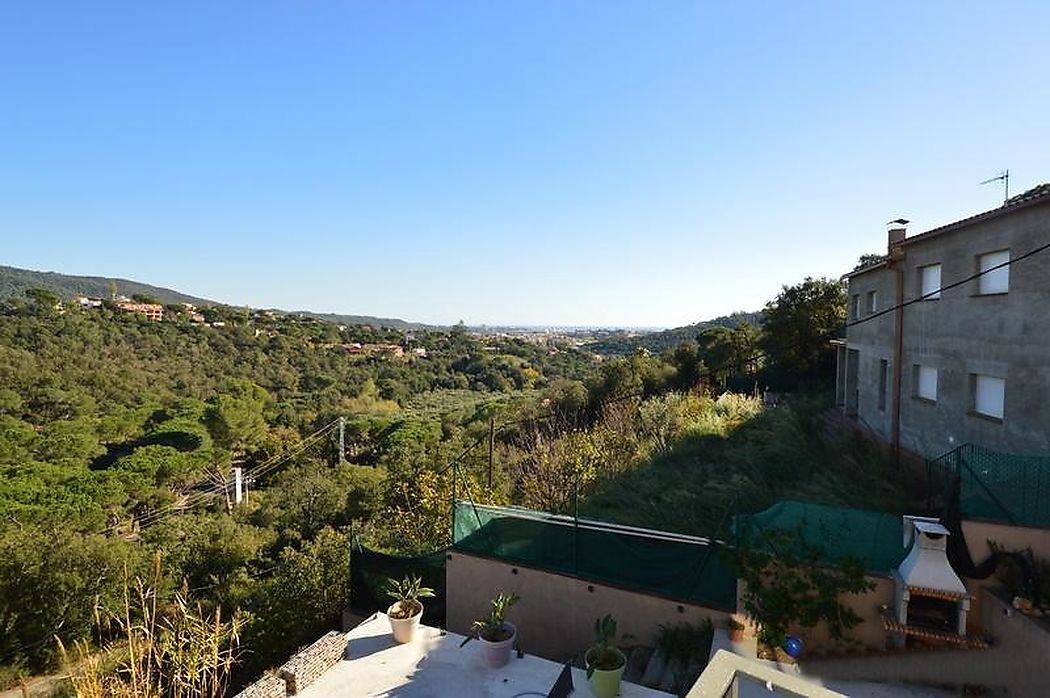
[884, 379]
[930, 282]
[988, 394]
[925, 379]
[997, 281]
[855, 306]
[872, 302]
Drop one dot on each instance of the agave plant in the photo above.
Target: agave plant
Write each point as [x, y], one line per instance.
[604, 655]
[493, 628]
[406, 595]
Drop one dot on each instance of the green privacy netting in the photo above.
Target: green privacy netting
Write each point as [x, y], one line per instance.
[370, 569]
[670, 565]
[875, 538]
[997, 486]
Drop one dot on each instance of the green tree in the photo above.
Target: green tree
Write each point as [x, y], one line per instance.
[730, 352]
[45, 302]
[237, 417]
[305, 498]
[688, 365]
[788, 582]
[50, 582]
[304, 597]
[799, 324]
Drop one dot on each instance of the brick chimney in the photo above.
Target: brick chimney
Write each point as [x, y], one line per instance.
[896, 231]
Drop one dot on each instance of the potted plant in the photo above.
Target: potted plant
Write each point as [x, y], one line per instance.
[605, 663]
[405, 612]
[736, 630]
[496, 633]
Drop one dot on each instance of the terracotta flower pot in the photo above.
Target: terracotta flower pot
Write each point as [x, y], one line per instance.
[497, 654]
[404, 629]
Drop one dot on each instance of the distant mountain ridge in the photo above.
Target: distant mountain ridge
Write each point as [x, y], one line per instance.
[14, 282]
[340, 319]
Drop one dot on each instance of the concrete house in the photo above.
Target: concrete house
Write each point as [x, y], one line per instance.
[949, 334]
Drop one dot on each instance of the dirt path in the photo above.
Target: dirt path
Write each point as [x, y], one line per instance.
[37, 687]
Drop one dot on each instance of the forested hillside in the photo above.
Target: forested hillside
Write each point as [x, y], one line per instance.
[119, 436]
[668, 339]
[110, 424]
[15, 282]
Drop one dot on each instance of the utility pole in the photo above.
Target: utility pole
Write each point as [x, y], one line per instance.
[342, 439]
[226, 493]
[238, 485]
[492, 445]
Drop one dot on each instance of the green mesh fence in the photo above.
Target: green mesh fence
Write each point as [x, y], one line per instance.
[873, 537]
[997, 486]
[370, 569]
[664, 564]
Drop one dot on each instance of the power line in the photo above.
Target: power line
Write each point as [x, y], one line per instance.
[867, 318]
[170, 510]
[936, 292]
[208, 493]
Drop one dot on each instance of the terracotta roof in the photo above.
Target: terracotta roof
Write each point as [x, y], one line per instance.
[1032, 197]
[1033, 193]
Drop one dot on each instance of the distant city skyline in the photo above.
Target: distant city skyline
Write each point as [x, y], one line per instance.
[594, 164]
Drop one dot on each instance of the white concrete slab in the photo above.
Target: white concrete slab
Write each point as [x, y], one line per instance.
[434, 666]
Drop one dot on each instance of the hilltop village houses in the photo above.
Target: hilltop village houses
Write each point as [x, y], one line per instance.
[151, 311]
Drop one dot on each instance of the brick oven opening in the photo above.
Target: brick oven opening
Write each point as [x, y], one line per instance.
[938, 614]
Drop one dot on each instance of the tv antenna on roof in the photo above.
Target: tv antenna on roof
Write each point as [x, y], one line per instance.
[1004, 176]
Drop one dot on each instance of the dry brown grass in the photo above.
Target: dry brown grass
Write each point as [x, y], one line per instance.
[157, 649]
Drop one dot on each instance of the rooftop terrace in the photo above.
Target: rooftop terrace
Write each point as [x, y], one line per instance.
[435, 666]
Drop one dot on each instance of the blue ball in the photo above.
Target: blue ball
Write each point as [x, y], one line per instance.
[793, 646]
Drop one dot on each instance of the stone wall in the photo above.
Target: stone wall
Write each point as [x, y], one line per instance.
[308, 664]
[269, 686]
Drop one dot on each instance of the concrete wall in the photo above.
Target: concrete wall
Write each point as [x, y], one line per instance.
[556, 613]
[978, 534]
[869, 632]
[964, 333]
[873, 340]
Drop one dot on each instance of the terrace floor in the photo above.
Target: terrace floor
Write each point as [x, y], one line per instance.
[434, 666]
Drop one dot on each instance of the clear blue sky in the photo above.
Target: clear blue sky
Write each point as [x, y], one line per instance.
[646, 163]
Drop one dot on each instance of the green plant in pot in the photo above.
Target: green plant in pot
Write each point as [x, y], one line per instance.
[496, 634]
[605, 663]
[405, 612]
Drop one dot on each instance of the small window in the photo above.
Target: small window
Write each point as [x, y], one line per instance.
[873, 302]
[925, 382]
[930, 282]
[988, 395]
[993, 280]
[855, 306]
[884, 379]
